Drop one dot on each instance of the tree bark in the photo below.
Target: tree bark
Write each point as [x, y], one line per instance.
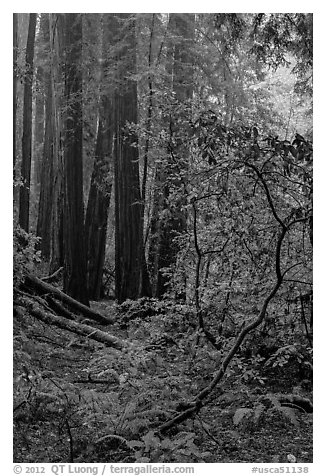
[101, 180]
[74, 279]
[97, 208]
[39, 131]
[42, 47]
[27, 127]
[129, 250]
[145, 287]
[56, 24]
[43, 229]
[49, 225]
[15, 57]
[46, 192]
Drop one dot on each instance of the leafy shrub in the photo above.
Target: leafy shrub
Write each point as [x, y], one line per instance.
[284, 355]
[181, 449]
[293, 357]
[25, 253]
[268, 411]
[248, 369]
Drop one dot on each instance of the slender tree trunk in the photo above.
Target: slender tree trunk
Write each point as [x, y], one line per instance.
[154, 253]
[15, 56]
[145, 286]
[129, 249]
[27, 127]
[75, 283]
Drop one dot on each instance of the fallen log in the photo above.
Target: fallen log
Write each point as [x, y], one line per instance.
[42, 287]
[59, 309]
[77, 328]
[297, 401]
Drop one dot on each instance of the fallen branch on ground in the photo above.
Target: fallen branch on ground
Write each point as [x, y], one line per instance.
[77, 328]
[42, 287]
[297, 401]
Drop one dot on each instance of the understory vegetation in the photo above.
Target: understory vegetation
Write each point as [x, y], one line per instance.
[77, 400]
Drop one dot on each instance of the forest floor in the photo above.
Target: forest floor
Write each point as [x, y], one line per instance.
[70, 393]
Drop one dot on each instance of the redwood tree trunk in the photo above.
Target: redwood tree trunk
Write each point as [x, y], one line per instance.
[46, 189]
[75, 283]
[40, 101]
[102, 176]
[98, 203]
[39, 133]
[56, 25]
[27, 127]
[129, 250]
[49, 225]
[15, 56]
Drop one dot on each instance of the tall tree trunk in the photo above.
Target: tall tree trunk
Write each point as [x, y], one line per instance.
[46, 192]
[129, 249]
[101, 180]
[27, 127]
[75, 283]
[56, 23]
[42, 48]
[39, 123]
[15, 57]
[98, 202]
[145, 286]
[43, 229]
[49, 225]
[164, 247]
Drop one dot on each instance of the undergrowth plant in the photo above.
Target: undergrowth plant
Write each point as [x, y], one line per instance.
[26, 254]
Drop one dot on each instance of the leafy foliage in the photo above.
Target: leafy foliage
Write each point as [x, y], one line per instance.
[267, 411]
[26, 254]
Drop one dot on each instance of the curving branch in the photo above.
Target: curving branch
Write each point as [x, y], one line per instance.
[199, 312]
[194, 406]
[267, 192]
